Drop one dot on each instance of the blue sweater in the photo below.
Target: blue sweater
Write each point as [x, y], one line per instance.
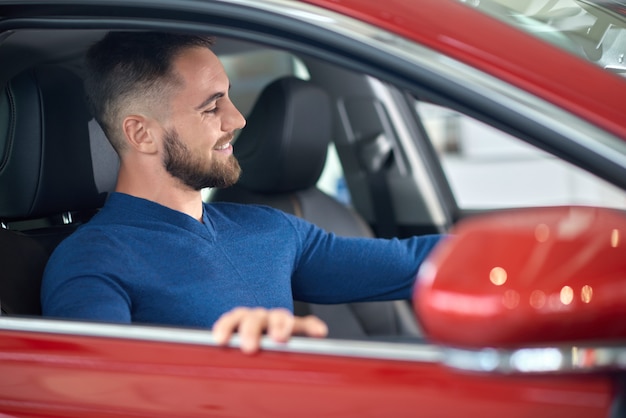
[142, 262]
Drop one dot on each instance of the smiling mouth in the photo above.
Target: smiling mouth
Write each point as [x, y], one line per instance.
[222, 147]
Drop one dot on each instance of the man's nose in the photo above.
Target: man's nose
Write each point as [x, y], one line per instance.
[233, 120]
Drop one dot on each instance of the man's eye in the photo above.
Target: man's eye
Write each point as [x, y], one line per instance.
[213, 110]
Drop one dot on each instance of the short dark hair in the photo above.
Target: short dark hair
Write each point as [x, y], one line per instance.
[125, 66]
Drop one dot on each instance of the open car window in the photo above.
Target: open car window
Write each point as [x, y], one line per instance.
[490, 169]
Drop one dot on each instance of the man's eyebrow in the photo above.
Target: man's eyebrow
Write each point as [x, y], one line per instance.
[211, 99]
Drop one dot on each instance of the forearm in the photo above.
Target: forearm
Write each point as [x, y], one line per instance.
[339, 270]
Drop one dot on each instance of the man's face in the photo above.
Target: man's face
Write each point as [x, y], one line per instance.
[197, 147]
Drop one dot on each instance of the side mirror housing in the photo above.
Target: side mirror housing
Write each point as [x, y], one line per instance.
[527, 277]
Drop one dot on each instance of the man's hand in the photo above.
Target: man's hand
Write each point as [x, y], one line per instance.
[251, 323]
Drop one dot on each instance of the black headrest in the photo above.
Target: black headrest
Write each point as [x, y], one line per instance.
[283, 146]
[53, 156]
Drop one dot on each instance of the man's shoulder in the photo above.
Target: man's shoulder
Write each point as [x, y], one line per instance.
[88, 237]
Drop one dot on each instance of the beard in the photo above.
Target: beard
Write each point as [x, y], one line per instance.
[194, 171]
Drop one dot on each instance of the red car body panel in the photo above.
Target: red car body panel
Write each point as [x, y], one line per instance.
[72, 376]
[463, 33]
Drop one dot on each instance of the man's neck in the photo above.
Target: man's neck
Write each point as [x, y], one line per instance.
[166, 191]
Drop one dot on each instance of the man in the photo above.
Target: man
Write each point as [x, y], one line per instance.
[157, 254]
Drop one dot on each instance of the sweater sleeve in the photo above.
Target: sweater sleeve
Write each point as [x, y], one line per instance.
[333, 269]
[75, 285]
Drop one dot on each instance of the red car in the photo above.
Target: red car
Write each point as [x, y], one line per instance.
[500, 122]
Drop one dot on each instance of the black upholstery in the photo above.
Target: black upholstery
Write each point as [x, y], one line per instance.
[47, 137]
[282, 152]
[289, 130]
[24, 260]
[44, 149]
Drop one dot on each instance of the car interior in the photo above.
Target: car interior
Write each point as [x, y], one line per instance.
[57, 166]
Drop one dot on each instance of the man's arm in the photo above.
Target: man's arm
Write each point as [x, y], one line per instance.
[77, 283]
[85, 298]
[341, 270]
[331, 270]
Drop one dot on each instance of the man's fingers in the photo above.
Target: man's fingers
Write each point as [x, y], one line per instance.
[227, 324]
[310, 326]
[251, 327]
[251, 323]
[280, 325]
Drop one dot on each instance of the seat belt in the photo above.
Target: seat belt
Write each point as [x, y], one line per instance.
[375, 156]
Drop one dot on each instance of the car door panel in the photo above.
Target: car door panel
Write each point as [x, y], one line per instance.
[64, 374]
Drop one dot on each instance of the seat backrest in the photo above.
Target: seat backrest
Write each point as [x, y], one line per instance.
[282, 152]
[56, 168]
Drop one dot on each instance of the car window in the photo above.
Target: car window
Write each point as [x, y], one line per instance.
[332, 181]
[488, 168]
[249, 72]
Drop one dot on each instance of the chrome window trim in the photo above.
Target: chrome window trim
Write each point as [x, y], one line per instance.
[416, 352]
[533, 360]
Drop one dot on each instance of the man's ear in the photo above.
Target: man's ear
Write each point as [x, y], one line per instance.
[138, 133]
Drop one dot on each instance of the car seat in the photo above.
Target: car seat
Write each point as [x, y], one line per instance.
[56, 168]
[282, 152]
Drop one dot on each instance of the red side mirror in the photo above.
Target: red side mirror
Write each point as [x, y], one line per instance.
[526, 277]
